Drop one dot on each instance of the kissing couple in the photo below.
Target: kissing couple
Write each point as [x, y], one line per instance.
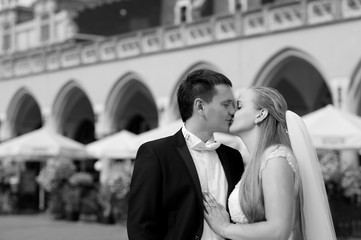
[189, 186]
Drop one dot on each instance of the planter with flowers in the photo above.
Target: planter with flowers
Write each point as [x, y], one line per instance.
[343, 186]
[83, 202]
[54, 179]
[332, 174]
[115, 192]
[9, 180]
[341, 182]
[119, 188]
[351, 184]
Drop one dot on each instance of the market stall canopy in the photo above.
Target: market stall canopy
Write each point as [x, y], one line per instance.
[160, 132]
[118, 145]
[332, 128]
[42, 143]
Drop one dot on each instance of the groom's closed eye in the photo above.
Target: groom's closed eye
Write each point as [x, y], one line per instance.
[226, 104]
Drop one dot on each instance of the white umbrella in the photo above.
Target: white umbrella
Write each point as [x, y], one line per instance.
[160, 132]
[332, 128]
[118, 145]
[125, 144]
[42, 143]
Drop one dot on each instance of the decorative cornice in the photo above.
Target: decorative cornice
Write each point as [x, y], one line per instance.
[166, 38]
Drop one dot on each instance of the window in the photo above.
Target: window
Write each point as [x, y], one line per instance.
[6, 37]
[182, 11]
[237, 5]
[45, 28]
[183, 14]
[6, 42]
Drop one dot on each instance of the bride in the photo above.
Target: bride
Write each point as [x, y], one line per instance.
[281, 194]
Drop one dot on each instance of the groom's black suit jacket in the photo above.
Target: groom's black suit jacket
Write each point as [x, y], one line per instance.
[165, 195]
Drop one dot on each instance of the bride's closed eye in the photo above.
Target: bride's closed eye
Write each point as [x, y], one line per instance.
[238, 104]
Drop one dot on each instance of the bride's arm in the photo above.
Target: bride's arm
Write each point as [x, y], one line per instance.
[278, 190]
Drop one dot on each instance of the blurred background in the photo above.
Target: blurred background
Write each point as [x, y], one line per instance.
[84, 82]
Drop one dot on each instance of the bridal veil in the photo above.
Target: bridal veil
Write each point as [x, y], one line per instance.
[315, 211]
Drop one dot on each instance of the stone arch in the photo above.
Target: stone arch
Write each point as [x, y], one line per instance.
[354, 91]
[300, 79]
[23, 113]
[173, 110]
[131, 105]
[73, 113]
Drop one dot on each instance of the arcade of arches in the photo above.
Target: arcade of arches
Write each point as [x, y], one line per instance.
[131, 105]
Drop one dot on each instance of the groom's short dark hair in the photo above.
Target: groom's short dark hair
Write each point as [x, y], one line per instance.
[198, 84]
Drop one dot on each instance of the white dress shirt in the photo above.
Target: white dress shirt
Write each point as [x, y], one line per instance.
[210, 172]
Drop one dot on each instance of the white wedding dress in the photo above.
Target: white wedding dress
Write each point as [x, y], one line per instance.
[272, 153]
[313, 220]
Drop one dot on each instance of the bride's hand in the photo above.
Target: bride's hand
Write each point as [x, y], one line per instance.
[215, 214]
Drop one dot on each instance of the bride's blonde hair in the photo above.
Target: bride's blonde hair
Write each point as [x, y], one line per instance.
[273, 131]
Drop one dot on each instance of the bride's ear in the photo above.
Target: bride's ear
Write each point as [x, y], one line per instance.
[262, 114]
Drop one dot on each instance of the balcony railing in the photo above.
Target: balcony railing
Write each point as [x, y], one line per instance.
[157, 40]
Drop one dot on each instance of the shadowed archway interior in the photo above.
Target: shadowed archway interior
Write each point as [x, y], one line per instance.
[26, 115]
[131, 106]
[75, 115]
[303, 87]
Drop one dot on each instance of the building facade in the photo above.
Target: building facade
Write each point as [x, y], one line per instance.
[88, 69]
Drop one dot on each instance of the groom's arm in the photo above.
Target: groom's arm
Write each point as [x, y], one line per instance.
[145, 208]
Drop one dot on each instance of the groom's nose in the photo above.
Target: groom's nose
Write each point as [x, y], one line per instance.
[232, 110]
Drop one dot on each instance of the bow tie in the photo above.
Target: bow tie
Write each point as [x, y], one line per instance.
[209, 146]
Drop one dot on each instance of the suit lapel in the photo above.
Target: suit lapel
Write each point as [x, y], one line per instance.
[188, 160]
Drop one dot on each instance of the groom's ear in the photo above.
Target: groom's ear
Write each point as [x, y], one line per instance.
[262, 114]
[199, 105]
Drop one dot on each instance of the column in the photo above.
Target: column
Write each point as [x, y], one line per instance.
[51, 11]
[48, 120]
[337, 8]
[103, 124]
[5, 130]
[339, 89]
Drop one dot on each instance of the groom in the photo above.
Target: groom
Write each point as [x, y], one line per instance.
[171, 173]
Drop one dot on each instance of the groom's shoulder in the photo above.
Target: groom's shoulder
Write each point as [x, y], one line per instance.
[160, 142]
